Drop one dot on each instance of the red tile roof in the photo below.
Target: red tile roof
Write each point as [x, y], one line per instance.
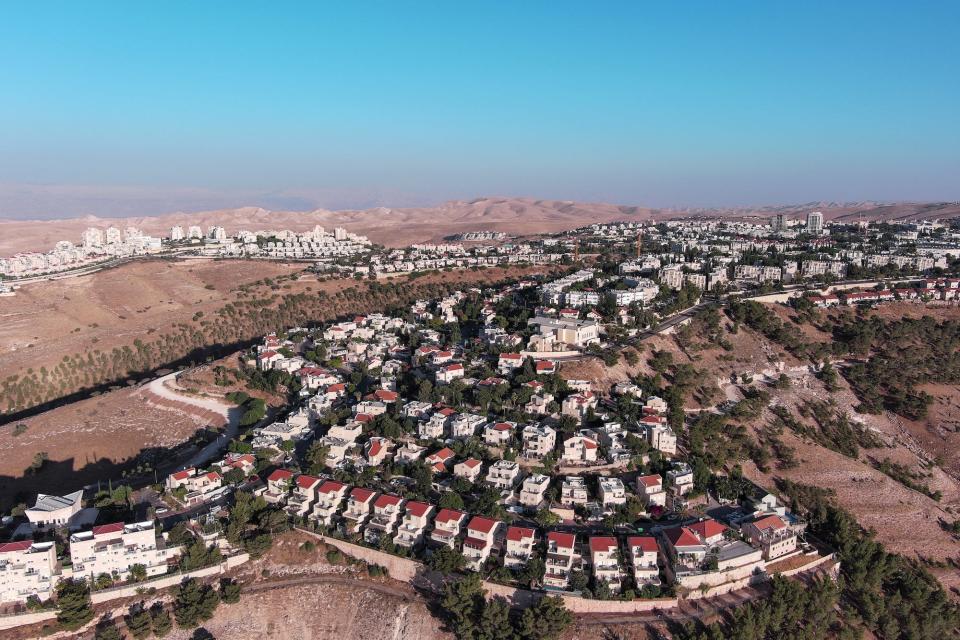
[651, 481]
[387, 500]
[306, 482]
[385, 395]
[602, 543]
[183, 475]
[10, 547]
[769, 522]
[682, 537]
[516, 534]
[278, 475]
[644, 543]
[361, 495]
[565, 540]
[449, 515]
[114, 527]
[708, 528]
[419, 509]
[331, 486]
[482, 524]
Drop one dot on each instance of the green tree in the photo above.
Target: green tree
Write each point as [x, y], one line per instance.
[193, 603]
[446, 560]
[73, 604]
[495, 621]
[107, 630]
[229, 591]
[546, 620]
[138, 621]
[463, 604]
[160, 620]
[138, 572]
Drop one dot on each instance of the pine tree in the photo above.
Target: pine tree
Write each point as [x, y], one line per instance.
[73, 604]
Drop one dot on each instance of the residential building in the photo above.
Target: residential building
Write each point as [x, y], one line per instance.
[304, 495]
[359, 506]
[438, 461]
[330, 496]
[559, 560]
[772, 535]
[580, 449]
[612, 492]
[662, 438]
[27, 569]
[447, 527]
[538, 441]
[480, 540]
[503, 474]
[650, 489]
[520, 542]
[383, 520]
[416, 518]
[469, 469]
[466, 425]
[815, 222]
[534, 490]
[578, 404]
[644, 552]
[114, 548]
[605, 561]
[574, 491]
[498, 434]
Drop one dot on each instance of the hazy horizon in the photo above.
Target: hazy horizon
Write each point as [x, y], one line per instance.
[127, 110]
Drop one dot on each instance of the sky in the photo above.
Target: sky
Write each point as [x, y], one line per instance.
[120, 108]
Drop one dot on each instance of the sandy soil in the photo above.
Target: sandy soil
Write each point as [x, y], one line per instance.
[47, 320]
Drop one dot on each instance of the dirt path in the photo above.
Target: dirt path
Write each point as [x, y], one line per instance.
[406, 593]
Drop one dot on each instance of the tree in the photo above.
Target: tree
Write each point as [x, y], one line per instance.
[107, 630]
[160, 620]
[463, 603]
[73, 604]
[546, 620]
[495, 621]
[193, 603]
[446, 560]
[138, 621]
[316, 456]
[532, 572]
[229, 591]
[138, 572]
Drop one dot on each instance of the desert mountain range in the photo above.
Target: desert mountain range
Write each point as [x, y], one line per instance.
[402, 226]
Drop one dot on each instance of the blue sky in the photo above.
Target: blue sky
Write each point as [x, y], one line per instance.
[353, 104]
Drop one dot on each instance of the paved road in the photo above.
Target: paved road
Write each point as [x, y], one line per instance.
[231, 414]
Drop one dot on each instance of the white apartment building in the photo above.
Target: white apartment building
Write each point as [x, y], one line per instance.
[447, 527]
[330, 496]
[383, 520]
[520, 542]
[416, 518]
[503, 474]
[27, 569]
[359, 506]
[534, 490]
[612, 492]
[114, 548]
[580, 449]
[643, 558]
[50, 512]
[469, 469]
[538, 440]
[662, 438]
[574, 491]
[481, 537]
[559, 560]
[605, 561]
[650, 489]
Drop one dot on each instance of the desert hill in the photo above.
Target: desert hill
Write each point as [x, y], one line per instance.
[400, 226]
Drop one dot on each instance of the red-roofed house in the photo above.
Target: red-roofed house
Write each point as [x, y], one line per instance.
[546, 367]
[643, 556]
[498, 434]
[27, 569]
[650, 489]
[685, 549]
[447, 527]
[580, 449]
[605, 561]
[377, 451]
[438, 460]
[469, 469]
[481, 536]
[519, 546]
[267, 359]
[709, 531]
[386, 513]
[303, 496]
[416, 518]
[772, 535]
[330, 496]
[450, 372]
[278, 486]
[359, 506]
[385, 395]
[559, 560]
[114, 548]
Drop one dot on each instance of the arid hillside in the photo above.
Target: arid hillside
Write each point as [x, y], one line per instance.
[401, 226]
